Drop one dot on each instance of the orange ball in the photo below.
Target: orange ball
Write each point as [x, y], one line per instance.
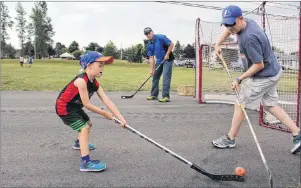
[240, 171]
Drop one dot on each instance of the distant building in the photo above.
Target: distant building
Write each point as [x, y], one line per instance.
[231, 55]
[287, 61]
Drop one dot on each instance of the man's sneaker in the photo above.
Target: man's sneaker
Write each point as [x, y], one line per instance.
[165, 99]
[297, 144]
[92, 166]
[151, 98]
[77, 147]
[224, 142]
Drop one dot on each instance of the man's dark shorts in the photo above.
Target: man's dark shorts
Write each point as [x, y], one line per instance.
[76, 119]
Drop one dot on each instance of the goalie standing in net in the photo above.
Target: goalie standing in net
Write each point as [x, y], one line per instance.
[263, 72]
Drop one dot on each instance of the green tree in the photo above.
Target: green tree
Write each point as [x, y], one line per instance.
[77, 54]
[92, 46]
[21, 25]
[10, 51]
[134, 53]
[5, 24]
[144, 50]
[63, 50]
[43, 30]
[50, 50]
[139, 53]
[73, 47]
[111, 50]
[100, 49]
[30, 31]
[128, 54]
[178, 50]
[189, 51]
[58, 47]
[28, 49]
[29, 46]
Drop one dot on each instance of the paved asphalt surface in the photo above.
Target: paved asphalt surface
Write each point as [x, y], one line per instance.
[36, 147]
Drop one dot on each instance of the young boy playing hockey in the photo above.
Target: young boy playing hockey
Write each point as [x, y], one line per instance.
[264, 72]
[75, 95]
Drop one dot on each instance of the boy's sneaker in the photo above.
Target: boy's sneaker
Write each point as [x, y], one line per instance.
[165, 99]
[224, 142]
[92, 166]
[77, 147]
[297, 144]
[151, 98]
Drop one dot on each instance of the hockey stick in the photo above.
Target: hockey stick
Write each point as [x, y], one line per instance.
[250, 125]
[131, 96]
[225, 177]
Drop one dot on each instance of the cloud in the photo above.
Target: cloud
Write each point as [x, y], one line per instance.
[123, 22]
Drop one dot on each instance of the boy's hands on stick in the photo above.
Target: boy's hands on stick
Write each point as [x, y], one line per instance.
[108, 115]
[123, 122]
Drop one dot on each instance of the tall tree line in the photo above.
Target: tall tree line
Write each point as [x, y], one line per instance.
[6, 24]
[42, 28]
[35, 36]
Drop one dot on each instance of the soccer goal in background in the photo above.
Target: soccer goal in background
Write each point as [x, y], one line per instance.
[211, 81]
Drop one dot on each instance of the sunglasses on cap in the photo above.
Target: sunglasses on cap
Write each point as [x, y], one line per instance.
[228, 25]
[147, 31]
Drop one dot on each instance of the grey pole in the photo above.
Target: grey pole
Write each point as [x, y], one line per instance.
[0, 30]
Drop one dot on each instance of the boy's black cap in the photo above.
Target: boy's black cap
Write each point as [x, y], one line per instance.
[147, 30]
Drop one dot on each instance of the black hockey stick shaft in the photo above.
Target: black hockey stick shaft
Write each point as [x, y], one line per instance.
[141, 86]
[131, 96]
[226, 177]
[249, 123]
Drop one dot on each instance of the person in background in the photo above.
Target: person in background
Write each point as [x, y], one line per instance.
[159, 46]
[25, 60]
[21, 61]
[30, 61]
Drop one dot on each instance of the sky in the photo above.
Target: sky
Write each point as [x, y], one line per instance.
[123, 22]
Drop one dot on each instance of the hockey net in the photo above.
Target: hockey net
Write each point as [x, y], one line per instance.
[211, 79]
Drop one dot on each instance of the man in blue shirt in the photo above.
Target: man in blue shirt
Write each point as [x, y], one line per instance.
[159, 46]
[30, 61]
[263, 72]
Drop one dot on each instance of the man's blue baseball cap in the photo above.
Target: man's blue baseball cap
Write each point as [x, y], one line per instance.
[93, 56]
[230, 13]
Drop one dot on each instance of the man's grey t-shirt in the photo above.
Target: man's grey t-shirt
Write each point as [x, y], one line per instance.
[255, 45]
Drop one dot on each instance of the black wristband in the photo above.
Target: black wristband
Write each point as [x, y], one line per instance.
[238, 80]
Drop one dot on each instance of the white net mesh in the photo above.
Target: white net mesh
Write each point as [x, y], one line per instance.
[283, 32]
[212, 82]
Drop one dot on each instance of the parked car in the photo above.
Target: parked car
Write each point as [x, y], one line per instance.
[190, 63]
[179, 63]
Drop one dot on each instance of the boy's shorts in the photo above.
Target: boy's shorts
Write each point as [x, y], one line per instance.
[256, 90]
[76, 119]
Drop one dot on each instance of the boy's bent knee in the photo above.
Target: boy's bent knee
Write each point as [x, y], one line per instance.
[85, 128]
[90, 123]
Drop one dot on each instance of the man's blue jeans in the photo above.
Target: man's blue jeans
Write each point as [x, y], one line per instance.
[166, 69]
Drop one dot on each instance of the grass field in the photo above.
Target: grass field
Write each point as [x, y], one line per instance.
[53, 75]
